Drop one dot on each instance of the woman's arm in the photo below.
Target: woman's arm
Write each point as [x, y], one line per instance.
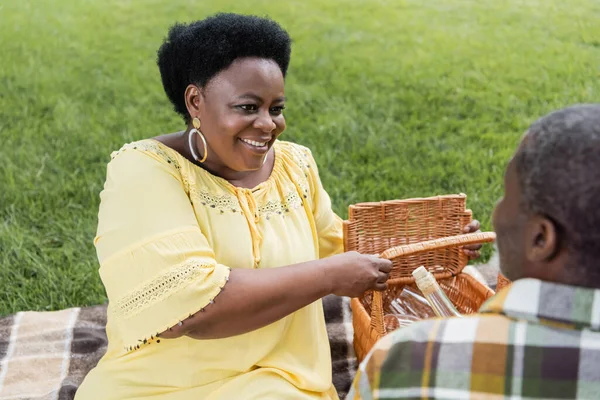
[160, 271]
[253, 299]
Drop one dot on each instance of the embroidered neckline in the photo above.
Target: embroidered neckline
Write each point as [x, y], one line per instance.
[291, 201]
[277, 167]
[150, 146]
[223, 203]
[227, 201]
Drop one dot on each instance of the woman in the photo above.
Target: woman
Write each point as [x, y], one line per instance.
[217, 243]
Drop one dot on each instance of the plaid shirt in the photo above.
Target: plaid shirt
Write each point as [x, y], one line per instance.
[532, 340]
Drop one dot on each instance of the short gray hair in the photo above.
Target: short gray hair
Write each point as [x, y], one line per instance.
[558, 167]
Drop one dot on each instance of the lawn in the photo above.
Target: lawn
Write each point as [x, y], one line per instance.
[395, 98]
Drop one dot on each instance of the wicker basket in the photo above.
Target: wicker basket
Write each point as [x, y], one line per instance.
[412, 233]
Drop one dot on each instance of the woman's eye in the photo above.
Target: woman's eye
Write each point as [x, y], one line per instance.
[248, 107]
[252, 108]
[277, 110]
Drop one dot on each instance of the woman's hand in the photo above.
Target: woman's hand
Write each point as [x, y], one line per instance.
[352, 274]
[472, 250]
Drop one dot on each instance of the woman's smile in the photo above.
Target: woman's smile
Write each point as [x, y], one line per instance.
[260, 146]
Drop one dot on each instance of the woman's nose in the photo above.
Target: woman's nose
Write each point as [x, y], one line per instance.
[265, 123]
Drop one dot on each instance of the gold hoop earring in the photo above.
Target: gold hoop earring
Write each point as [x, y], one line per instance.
[195, 129]
[196, 123]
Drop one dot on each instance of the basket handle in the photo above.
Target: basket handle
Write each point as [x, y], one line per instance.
[415, 248]
[437, 244]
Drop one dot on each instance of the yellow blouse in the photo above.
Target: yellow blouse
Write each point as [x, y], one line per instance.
[168, 232]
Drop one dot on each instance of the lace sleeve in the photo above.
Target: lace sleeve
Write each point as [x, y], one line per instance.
[155, 262]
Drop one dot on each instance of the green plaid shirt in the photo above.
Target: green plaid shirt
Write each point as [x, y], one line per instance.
[533, 340]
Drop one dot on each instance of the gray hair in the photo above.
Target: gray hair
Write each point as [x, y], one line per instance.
[558, 166]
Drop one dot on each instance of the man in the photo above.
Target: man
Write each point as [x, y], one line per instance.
[539, 338]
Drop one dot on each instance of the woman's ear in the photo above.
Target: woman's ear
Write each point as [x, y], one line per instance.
[193, 100]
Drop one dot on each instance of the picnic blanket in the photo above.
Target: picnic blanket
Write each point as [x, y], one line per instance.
[46, 355]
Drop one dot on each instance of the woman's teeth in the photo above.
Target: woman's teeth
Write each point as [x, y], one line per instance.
[253, 143]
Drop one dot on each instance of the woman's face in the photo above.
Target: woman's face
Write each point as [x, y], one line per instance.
[240, 111]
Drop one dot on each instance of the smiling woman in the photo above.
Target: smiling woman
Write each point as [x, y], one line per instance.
[240, 114]
[217, 243]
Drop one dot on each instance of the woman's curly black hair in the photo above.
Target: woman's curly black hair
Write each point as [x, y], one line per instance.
[196, 52]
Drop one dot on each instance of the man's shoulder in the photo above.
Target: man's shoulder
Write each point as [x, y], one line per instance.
[437, 353]
[430, 329]
[451, 332]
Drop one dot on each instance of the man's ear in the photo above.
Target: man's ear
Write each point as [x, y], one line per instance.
[541, 239]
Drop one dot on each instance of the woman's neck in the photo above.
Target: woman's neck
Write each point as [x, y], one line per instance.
[242, 179]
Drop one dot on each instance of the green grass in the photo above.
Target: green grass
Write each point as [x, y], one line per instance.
[396, 99]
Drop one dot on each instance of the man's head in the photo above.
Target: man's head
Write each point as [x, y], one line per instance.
[548, 222]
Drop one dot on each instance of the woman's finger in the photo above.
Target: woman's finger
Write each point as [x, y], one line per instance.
[473, 226]
[383, 278]
[472, 254]
[385, 265]
[477, 246]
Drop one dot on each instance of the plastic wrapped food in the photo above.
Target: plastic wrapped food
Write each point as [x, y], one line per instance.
[396, 307]
[415, 304]
[395, 321]
[408, 307]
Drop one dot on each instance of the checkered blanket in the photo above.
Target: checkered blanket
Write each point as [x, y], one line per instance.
[46, 355]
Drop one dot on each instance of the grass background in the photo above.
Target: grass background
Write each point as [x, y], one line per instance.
[396, 99]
